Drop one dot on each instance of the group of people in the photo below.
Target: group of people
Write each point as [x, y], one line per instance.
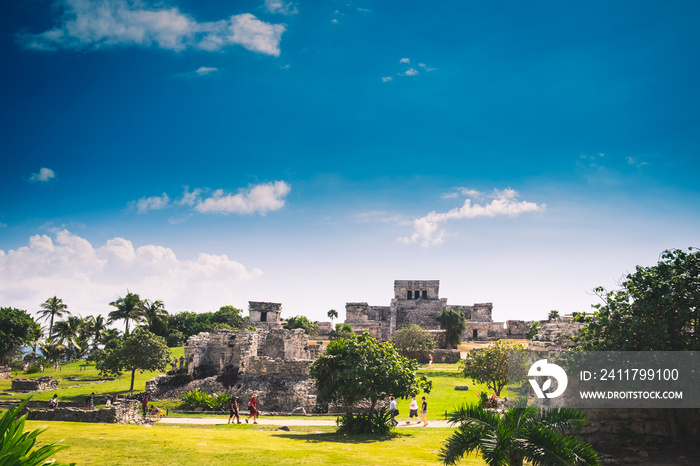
[252, 409]
[412, 411]
[182, 363]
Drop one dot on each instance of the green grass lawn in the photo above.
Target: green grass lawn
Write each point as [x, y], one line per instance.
[110, 444]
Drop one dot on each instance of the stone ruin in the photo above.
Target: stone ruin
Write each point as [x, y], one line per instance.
[39, 384]
[418, 302]
[271, 362]
[554, 337]
[121, 412]
[5, 372]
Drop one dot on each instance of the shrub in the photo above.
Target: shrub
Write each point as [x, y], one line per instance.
[221, 401]
[196, 399]
[175, 339]
[17, 446]
[532, 331]
[412, 339]
[33, 369]
[372, 423]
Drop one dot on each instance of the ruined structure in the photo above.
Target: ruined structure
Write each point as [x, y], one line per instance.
[418, 302]
[271, 362]
[42, 383]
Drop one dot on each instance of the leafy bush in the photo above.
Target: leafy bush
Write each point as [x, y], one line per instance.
[175, 339]
[33, 369]
[371, 423]
[221, 401]
[16, 445]
[411, 339]
[196, 399]
[341, 331]
[532, 331]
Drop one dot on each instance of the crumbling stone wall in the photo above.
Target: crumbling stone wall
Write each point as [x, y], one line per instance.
[122, 412]
[553, 337]
[265, 315]
[518, 328]
[484, 331]
[34, 385]
[5, 372]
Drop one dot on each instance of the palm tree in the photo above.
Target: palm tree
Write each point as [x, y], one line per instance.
[521, 433]
[332, 314]
[97, 326]
[156, 317]
[68, 331]
[130, 307]
[53, 307]
[52, 349]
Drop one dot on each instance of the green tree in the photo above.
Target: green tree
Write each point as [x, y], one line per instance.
[303, 322]
[97, 328]
[496, 364]
[453, 323]
[53, 349]
[52, 308]
[130, 307]
[156, 317]
[230, 316]
[140, 350]
[17, 328]
[359, 368]
[412, 339]
[553, 315]
[657, 308]
[332, 314]
[522, 433]
[341, 331]
[17, 447]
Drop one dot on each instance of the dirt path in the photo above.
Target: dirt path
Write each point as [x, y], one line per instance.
[281, 421]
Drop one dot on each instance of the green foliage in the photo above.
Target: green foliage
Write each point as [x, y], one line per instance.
[411, 339]
[196, 399]
[553, 315]
[17, 446]
[496, 364]
[175, 338]
[52, 308]
[533, 330]
[130, 307]
[221, 401]
[156, 317]
[141, 350]
[332, 314]
[522, 433]
[341, 331]
[656, 310]
[453, 323]
[17, 328]
[359, 368]
[33, 369]
[311, 328]
[191, 323]
[370, 423]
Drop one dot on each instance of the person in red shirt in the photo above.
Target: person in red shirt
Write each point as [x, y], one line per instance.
[253, 408]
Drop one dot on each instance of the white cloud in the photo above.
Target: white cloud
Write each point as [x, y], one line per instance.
[405, 60]
[190, 198]
[278, 6]
[95, 24]
[145, 204]
[44, 175]
[257, 199]
[205, 70]
[634, 162]
[87, 278]
[411, 72]
[386, 79]
[334, 21]
[427, 231]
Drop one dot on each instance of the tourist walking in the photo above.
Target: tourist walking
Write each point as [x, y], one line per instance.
[182, 362]
[412, 410]
[233, 411]
[174, 363]
[253, 409]
[424, 411]
[430, 362]
[91, 401]
[393, 411]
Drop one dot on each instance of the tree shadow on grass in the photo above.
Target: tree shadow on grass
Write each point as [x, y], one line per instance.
[332, 437]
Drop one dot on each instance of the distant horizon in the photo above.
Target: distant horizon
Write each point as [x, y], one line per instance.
[209, 153]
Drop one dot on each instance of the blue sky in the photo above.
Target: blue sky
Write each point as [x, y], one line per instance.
[210, 153]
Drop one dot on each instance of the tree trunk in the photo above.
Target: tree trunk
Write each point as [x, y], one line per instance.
[133, 374]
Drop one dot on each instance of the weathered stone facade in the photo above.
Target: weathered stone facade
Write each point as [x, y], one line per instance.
[122, 412]
[5, 372]
[418, 302]
[34, 385]
[554, 337]
[265, 315]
